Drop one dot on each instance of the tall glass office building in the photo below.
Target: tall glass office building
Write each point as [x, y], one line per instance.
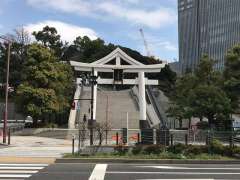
[207, 27]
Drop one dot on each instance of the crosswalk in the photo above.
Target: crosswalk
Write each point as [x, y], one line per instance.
[19, 171]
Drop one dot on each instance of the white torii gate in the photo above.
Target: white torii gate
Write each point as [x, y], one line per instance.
[120, 61]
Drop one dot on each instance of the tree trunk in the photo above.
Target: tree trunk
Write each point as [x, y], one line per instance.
[180, 123]
[189, 123]
[210, 121]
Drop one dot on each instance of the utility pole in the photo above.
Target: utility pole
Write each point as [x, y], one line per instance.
[6, 91]
[127, 129]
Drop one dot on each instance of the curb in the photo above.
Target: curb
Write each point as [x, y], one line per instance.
[144, 161]
[5, 145]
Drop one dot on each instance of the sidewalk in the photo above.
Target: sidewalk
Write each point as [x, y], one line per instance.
[23, 160]
[35, 147]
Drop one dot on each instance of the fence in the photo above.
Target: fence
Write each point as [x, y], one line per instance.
[134, 136]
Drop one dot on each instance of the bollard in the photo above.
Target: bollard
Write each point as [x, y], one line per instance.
[171, 139]
[106, 137]
[186, 139]
[100, 139]
[154, 136]
[9, 136]
[73, 139]
[138, 138]
[117, 138]
[231, 141]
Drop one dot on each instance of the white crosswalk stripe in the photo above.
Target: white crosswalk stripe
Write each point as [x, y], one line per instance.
[19, 171]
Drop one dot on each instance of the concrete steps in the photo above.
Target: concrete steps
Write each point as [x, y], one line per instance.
[115, 113]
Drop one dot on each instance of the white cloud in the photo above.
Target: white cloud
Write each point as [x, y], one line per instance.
[112, 9]
[131, 1]
[154, 42]
[68, 32]
[167, 45]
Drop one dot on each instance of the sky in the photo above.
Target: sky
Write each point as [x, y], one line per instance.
[115, 21]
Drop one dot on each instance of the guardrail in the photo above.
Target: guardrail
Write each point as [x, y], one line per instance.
[156, 106]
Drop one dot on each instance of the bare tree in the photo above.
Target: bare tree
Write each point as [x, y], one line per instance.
[82, 131]
[103, 129]
[22, 36]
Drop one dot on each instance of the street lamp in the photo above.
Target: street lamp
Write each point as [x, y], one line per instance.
[6, 90]
[93, 82]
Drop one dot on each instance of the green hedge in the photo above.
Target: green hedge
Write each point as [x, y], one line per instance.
[215, 148]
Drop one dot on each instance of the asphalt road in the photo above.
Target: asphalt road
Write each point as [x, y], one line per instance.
[77, 171]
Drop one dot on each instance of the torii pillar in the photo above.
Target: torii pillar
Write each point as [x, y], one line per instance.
[143, 124]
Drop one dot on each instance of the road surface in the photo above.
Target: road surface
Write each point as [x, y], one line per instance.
[78, 171]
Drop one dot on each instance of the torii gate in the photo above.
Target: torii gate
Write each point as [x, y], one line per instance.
[118, 62]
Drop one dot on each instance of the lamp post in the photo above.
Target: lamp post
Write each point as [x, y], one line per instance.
[93, 82]
[6, 90]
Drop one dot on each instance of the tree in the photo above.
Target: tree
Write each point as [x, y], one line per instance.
[212, 103]
[50, 38]
[86, 50]
[167, 79]
[180, 107]
[232, 76]
[200, 94]
[47, 83]
[20, 40]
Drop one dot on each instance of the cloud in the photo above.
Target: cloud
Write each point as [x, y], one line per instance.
[131, 1]
[167, 45]
[112, 9]
[68, 32]
[154, 42]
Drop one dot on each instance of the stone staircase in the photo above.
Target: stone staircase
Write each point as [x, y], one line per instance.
[119, 104]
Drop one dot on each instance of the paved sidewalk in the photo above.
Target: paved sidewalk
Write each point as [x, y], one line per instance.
[24, 160]
[30, 146]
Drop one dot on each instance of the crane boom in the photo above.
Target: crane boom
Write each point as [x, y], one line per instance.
[145, 43]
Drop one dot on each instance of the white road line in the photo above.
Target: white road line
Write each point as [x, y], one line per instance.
[98, 172]
[191, 168]
[23, 164]
[21, 168]
[18, 171]
[174, 173]
[15, 175]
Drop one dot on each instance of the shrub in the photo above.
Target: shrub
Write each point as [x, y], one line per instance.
[196, 149]
[170, 155]
[121, 150]
[153, 149]
[217, 147]
[137, 149]
[50, 125]
[177, 148]
[236, 150]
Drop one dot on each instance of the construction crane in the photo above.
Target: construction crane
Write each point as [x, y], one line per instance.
[145, 43]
